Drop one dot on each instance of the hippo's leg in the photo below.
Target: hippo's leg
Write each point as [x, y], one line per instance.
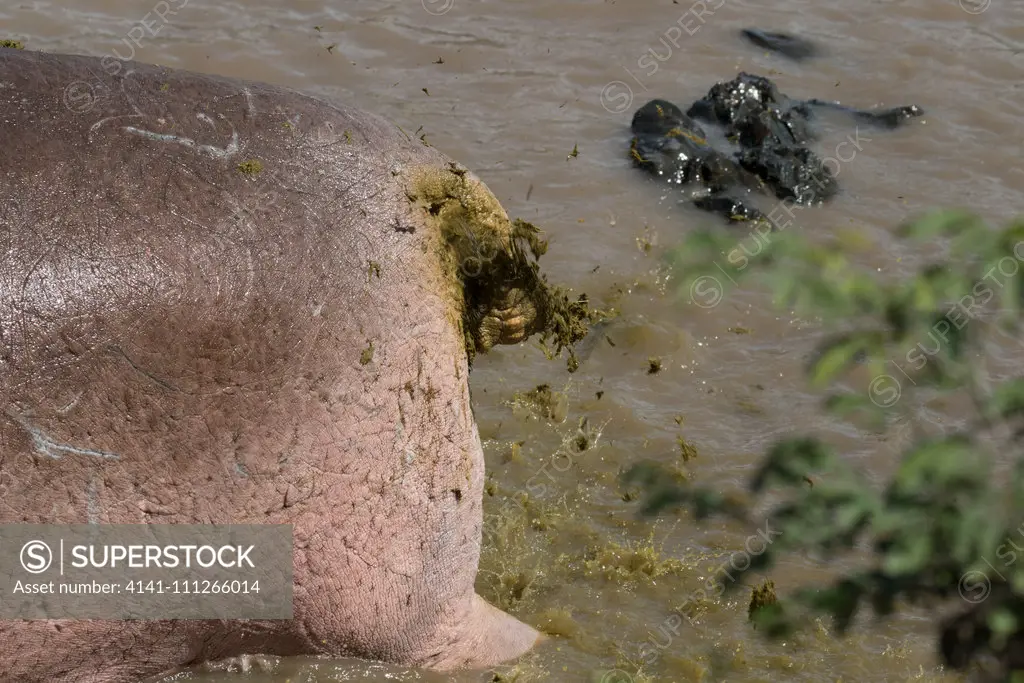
[486, 638]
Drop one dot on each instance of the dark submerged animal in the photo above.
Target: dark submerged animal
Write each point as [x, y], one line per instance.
[767, 149]
[795, 48]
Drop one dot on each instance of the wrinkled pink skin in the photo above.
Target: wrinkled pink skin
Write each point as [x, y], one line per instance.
[185, 367]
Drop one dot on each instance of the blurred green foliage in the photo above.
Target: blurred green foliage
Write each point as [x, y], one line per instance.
[945, 530]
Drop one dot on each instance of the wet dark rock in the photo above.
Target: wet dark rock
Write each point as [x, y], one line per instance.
[658, 117]
[792, 172]
[670, 144]
[734, 100]
[765, 152]
[773, 126]
[797, 49]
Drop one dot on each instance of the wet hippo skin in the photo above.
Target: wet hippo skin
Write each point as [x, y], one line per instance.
[228, 302]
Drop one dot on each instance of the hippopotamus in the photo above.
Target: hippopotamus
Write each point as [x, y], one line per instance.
[224, 302]
[766, 138]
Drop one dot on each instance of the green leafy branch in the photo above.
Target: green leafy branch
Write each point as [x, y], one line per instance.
[937, 529]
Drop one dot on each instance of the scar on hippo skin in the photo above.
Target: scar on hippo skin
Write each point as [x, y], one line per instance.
[137, 112]
[767, 150]
[230, 150]
[46, 445]
[227, 151]
[71, 404]
[250, 105]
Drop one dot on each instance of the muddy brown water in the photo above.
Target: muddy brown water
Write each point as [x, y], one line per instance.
[509, 88]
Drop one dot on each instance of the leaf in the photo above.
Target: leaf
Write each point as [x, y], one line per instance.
[897, 316]
[840, 600]
[1007, 400]
[1017, 579]
[853, 516]
[883, 600]
[663, 498]
[660, 493]
[786, 288]
[938, 224]
[977, 535]
[645, 472]
[1017, 484]
[939, 466]
[790, 462]
[845, 404]
[1009, 298]
[865, 295]
[834, 357]
[848, 405]
[707, 502]
[924, 298]
[909, 555]
[762, 562]
[773, 621]
[1002, 622]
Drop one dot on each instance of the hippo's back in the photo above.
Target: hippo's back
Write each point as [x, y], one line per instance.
[195, 266]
